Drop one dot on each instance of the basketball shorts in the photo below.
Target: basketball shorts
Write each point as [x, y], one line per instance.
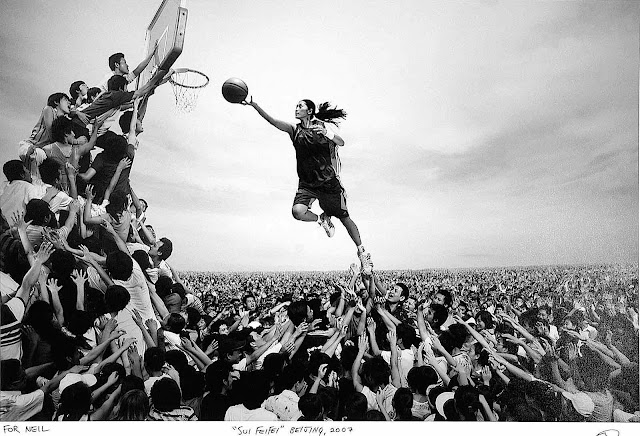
[331, 196]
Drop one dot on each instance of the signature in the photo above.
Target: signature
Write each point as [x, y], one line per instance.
[610, 432]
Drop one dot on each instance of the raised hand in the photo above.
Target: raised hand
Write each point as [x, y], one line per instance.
[302, 328]
[74, 206]
[170, 371]
[115, 334]
[486, 375]
[52, 285]
[18, 220]
[107, 226]
[458, 320]
[420, 349]
[44, 252]
[213, 346]
[88, 193]
[363, 343]
[151, 324]
[322, 370]
[71, 170]
[137, 317]
[134, 357]
[124, 163]
[314, 324]
[393, 338]
[428, 353]
[128, 342]
[371, 325]
[187, 344]
[343, 331]
[79, 277]
[511, 338]
[52, 236]
[113, 378]
[30, 333]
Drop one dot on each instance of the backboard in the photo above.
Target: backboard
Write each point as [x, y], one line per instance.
[167, 28]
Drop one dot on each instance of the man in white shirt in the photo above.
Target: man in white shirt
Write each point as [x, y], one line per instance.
[253, 389]
[119, 67]
[58, 200]
[406, 357]
[127, 273]
[159, 253]
[18, 191]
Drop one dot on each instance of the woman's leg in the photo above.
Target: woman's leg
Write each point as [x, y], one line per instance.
[302, 213]
[352, 229]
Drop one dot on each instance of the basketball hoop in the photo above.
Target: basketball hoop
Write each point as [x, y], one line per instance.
[186, 84]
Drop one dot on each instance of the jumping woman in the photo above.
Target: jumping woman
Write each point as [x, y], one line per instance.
[316, 144]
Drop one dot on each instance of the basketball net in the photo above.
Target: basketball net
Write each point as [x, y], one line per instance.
[186, 84]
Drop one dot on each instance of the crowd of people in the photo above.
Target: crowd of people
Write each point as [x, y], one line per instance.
[97, 325]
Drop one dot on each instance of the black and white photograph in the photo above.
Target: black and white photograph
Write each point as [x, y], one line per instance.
[257, 211]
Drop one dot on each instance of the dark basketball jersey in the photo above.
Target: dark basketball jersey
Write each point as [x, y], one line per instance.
[316, 156]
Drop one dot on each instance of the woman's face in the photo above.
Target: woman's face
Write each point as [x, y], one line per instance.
[302, 111]
[480, 325]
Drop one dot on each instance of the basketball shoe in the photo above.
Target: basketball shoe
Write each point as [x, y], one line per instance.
[365, 260]
[326, 224]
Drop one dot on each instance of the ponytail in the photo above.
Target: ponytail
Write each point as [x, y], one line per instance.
[326, 112]
[330, 114]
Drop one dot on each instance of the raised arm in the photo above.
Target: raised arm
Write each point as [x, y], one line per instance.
[395, 372]
[371, 330]
[280, 125]
[330, 351]
[362, 348]
[136, 203]
[619, 356]
[431, 360]
[131, 136]
[153, 83]
[422, 327]
[31, 277]
[86, 148]
[268, 344]
[21, 225]
[142, 65]
[124, 163]
[89, 259]
[122, 246]
[473, 332]
[88, 219]
[157, 302]
[513, 369]
[71, 219]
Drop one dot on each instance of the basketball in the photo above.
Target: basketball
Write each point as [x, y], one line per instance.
[234, 90]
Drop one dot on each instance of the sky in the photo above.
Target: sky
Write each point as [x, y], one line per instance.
[478, 134]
